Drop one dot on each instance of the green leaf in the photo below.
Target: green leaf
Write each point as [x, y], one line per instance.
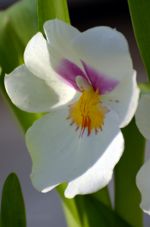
[103, 196]
[144, 87]
[140, 15]
[50, 9]
[23, 17]
[89, 211]
[17, 25]
[11, 47]
[127, 196]
[94, 213]
[12, 204]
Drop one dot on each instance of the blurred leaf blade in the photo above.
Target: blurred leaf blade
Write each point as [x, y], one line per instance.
[52, 9]
[90, 211]
[9, 59]
[12, 204]
[140, 15]
[23, 17]
[127, 196]
[11, 47]
[17, 25]
[98, 214]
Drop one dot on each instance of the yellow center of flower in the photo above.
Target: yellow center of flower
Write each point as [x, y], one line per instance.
[88, 112]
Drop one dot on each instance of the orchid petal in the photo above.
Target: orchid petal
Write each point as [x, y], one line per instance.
[143, 114]
[99, 175]
[36, 57]
[59, 34]
[143, 183]
[59, 154]
[105, 50]
[99, 81]
[69, 71]
[124, 99]
[33, 94]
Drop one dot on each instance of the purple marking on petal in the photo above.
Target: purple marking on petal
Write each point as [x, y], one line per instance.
[68, 71]
[99, 81]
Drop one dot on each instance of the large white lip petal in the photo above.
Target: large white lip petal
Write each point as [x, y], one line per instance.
[99, 175]
[143, 184]
[60, 155]
[142, 115]
[124, 99]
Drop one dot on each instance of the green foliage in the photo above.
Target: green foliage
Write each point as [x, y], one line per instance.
[17, 25]
[144, 87]
[98, 214]
[23, 17]
[12, 204]
[140, 15]
[91, 212]
[50, 9]
[127, 196]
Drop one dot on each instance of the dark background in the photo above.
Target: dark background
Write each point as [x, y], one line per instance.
[44, 210]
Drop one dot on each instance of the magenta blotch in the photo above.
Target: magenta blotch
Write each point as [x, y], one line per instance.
[69, 71]
[98, 80]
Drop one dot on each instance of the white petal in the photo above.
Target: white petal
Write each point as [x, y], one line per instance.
[36, 57]
[59, 154]
[124, 99]
[143, 114]
[31, 93]
[59, 34]
[106, 50]
[28, 92]
[143, 183]
[37, 60]
[99, 175]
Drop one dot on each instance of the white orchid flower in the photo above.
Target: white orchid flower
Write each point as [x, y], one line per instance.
[86, 81]
[143, 124]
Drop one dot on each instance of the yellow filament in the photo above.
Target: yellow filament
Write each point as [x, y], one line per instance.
[88, 112]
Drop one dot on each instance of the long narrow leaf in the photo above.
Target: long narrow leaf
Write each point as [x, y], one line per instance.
[127, 196]
[12, 204]
[98, 214]
[140, 15]
[50, 9]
